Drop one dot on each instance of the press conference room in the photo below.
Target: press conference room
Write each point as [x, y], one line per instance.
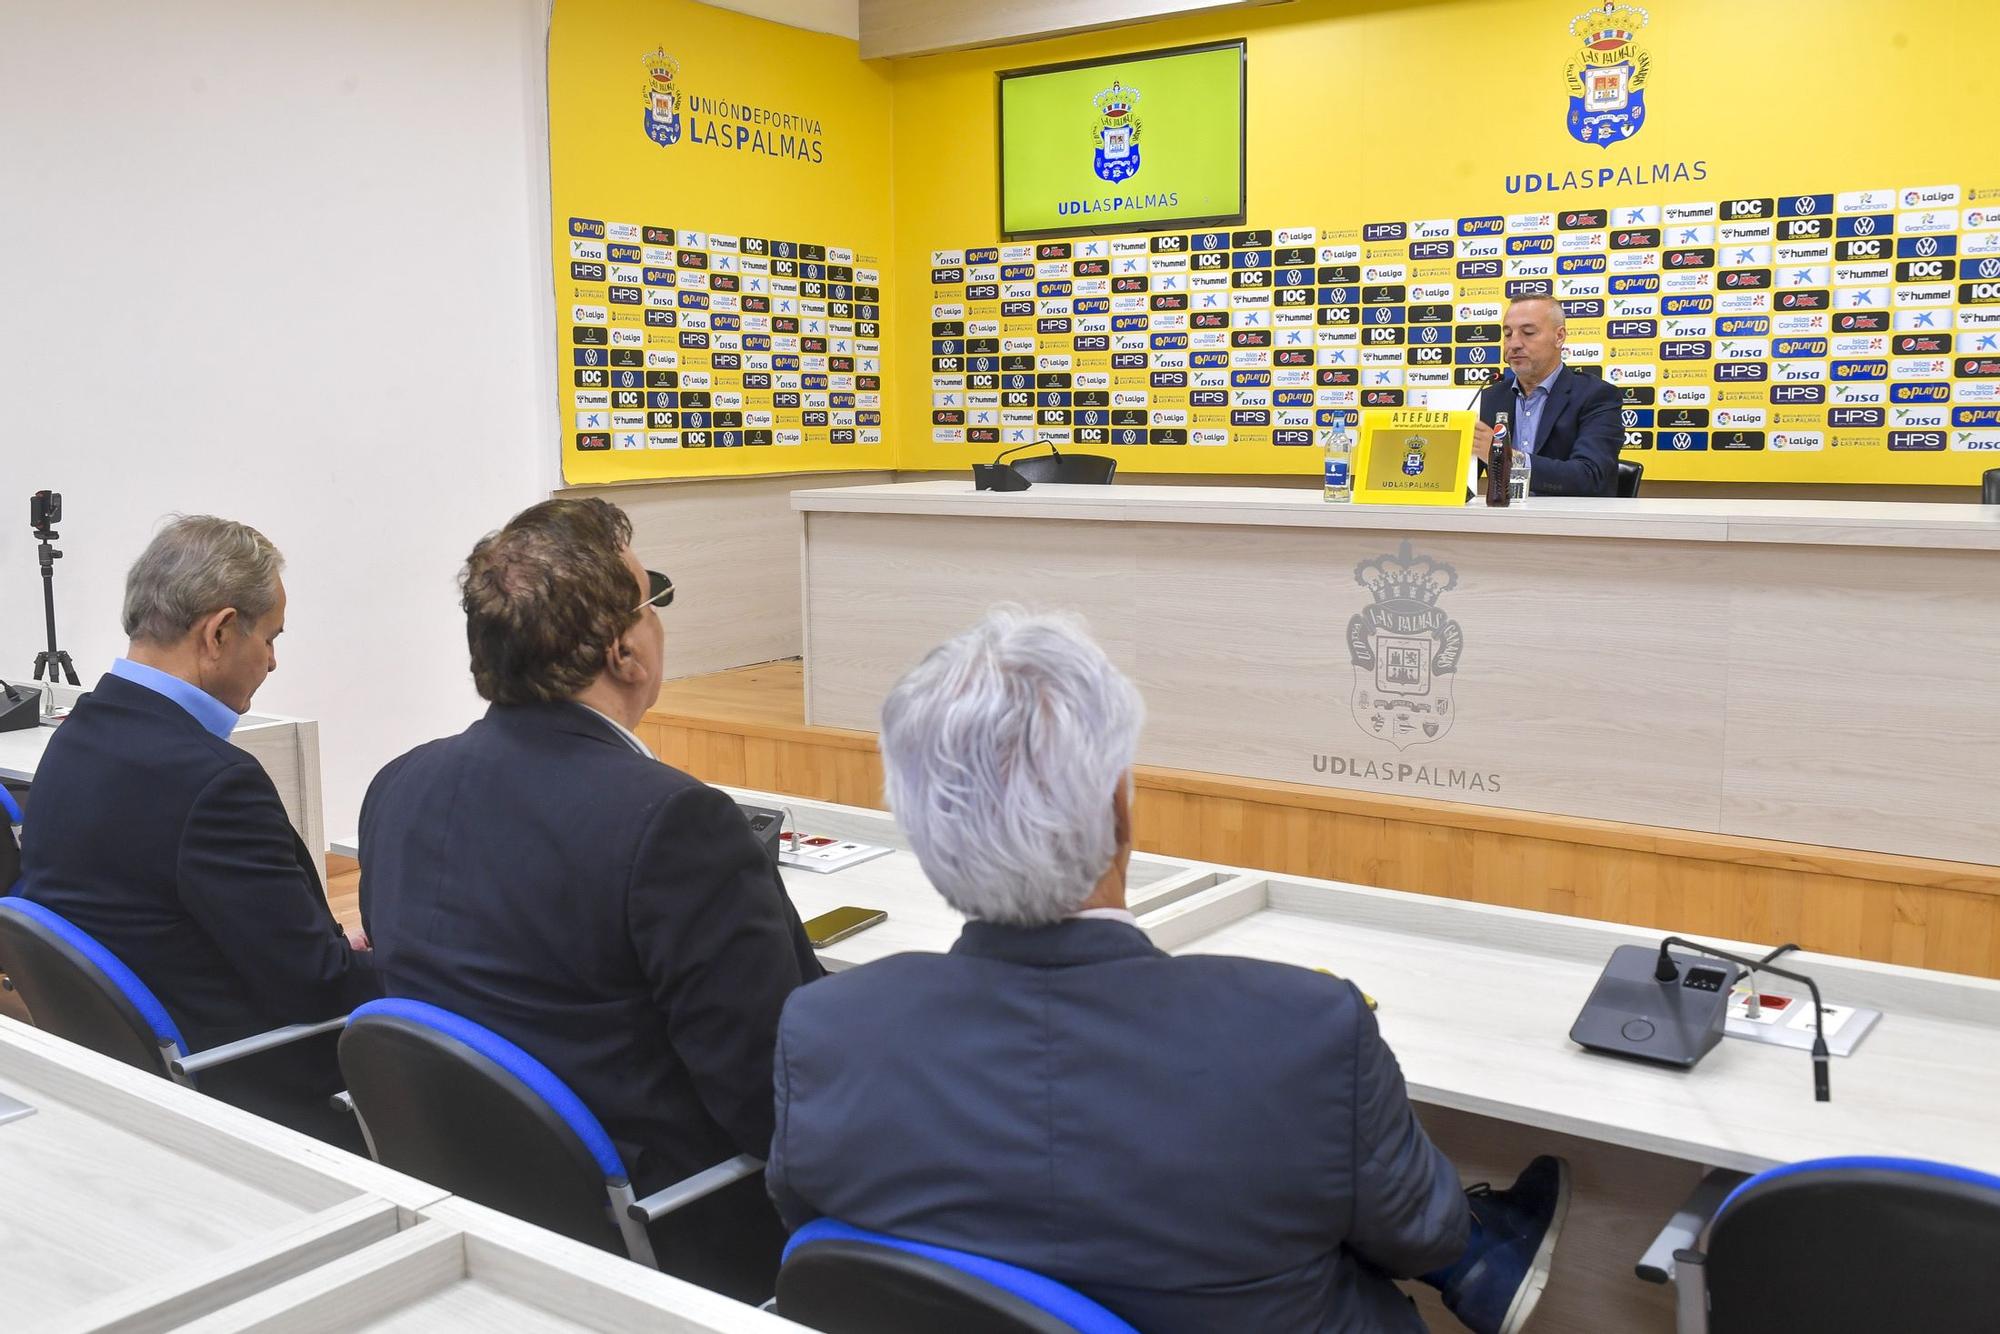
[848, 665]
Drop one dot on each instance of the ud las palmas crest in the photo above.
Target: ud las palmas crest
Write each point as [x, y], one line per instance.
[663, 98]
[1116, 135]
[1405, 649]
[1607, 78]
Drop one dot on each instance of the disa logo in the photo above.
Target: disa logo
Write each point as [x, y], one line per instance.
[1116, 135]
[663, 99]
[1607, 78]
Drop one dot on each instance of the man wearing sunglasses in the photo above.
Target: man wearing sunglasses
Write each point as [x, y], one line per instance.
[543, 875]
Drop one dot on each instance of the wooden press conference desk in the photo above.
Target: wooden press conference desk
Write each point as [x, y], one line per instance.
[129, 1203]
[1816, 672]
[1477, 1002]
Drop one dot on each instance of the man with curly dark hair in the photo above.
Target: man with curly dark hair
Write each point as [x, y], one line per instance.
[543, 875]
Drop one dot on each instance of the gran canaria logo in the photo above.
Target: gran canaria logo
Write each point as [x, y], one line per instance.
[1116, 135]
[1607, 78]
[663, 99]
[1405, 649]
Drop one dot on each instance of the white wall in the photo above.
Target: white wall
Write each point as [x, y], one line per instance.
[286, 262]
[842, 18]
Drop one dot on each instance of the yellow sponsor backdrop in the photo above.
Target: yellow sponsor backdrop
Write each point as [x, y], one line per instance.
[1362, 111]
[742, 168]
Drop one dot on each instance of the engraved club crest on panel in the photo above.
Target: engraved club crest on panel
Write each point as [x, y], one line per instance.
[1405, 649]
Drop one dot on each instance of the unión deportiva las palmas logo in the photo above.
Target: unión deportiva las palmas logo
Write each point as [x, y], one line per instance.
[1405, 649]
[1607, 78]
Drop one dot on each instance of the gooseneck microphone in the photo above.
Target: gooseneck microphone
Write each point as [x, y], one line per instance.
[1506, 380]
[1667, 971]
[998, 476]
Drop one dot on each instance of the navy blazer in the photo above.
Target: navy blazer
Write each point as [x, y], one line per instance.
[610, 914]
[1199, 1143]
[1578, 437]
[172, 848]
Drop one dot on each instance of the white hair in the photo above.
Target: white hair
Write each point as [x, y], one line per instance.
[1002, 751]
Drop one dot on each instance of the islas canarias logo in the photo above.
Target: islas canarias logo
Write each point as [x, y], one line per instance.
[663, 99]
[1607, 78]
[1116, 134]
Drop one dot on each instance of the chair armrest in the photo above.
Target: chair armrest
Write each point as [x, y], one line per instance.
[1691, 1293]
[196, 1062]
[342, 1101]
[1684, 1229]
[689, 1189]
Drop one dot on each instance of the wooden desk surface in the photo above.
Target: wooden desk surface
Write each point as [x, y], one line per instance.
[1477, 1002]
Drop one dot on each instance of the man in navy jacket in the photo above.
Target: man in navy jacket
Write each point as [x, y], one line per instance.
[1571, 424]
[151, 832]
[543, 875]
[1200, 1143]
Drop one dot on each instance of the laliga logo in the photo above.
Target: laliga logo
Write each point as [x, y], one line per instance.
[1607, 78]
[1116, 134]
[663, 99]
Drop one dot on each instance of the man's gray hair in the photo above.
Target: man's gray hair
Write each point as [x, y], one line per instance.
[1561, 316]
[1002, 751]
[196, 565]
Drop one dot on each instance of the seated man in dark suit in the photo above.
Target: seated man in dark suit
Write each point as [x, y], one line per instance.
[542, 874]
[168, 844]
[1570, 423]
[1199, 1143]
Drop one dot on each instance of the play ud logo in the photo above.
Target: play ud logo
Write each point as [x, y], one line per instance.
[1405, 649]
[1116, 135]
[663, 98]
[1607, 78]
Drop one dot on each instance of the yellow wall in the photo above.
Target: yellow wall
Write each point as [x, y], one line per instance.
[1371, 111]
[604, 168]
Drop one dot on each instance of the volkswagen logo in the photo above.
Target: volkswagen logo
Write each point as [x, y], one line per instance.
[1864, 226]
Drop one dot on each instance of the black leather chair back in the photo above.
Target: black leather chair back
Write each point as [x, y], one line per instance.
[1847, 1249]
[850, 1287]
[441, 1112]
[1630, 474]
[70, 996]
[1989, 490]
[1081, 469]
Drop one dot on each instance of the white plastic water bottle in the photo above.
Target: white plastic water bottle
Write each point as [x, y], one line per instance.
[1337, 444]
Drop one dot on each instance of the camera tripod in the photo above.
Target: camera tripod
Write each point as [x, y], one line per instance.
[51, 659]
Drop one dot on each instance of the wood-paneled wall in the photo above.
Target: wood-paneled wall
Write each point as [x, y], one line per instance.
[745, 728]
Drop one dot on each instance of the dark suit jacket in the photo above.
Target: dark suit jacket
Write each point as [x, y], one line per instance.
[1578, 437]
[172, 848]
[610, 914]
[1200, 1143]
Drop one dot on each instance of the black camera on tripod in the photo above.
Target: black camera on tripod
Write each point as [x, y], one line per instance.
[44, 513]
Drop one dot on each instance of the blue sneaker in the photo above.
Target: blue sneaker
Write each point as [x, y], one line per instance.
[1494, 1286]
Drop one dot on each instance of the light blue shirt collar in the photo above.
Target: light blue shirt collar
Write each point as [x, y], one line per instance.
[213, 715]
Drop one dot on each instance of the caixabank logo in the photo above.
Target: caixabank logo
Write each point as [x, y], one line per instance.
[1115, 136]
[739, 126]
[1607, 78]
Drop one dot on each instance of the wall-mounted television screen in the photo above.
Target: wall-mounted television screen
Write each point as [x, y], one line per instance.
[1127, 143]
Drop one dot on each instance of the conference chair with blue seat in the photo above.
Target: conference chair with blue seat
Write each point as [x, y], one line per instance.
[842, 1280]
[1842, 1246]
[453, 1103]
[77, 989]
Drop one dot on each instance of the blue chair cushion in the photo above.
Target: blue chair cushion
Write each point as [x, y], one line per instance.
[1864, 1163]
[121, 978]
[8, 808]
[516, 1062]
[1065, 1304]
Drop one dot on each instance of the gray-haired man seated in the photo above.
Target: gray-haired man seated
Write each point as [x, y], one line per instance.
[1199, 1143]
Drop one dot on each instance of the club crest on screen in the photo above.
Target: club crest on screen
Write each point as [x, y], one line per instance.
[1404, 648]
[1607, 77]
[663, 98]
[1116, 135]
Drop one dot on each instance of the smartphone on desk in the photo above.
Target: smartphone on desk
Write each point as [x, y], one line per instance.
[841, 923]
